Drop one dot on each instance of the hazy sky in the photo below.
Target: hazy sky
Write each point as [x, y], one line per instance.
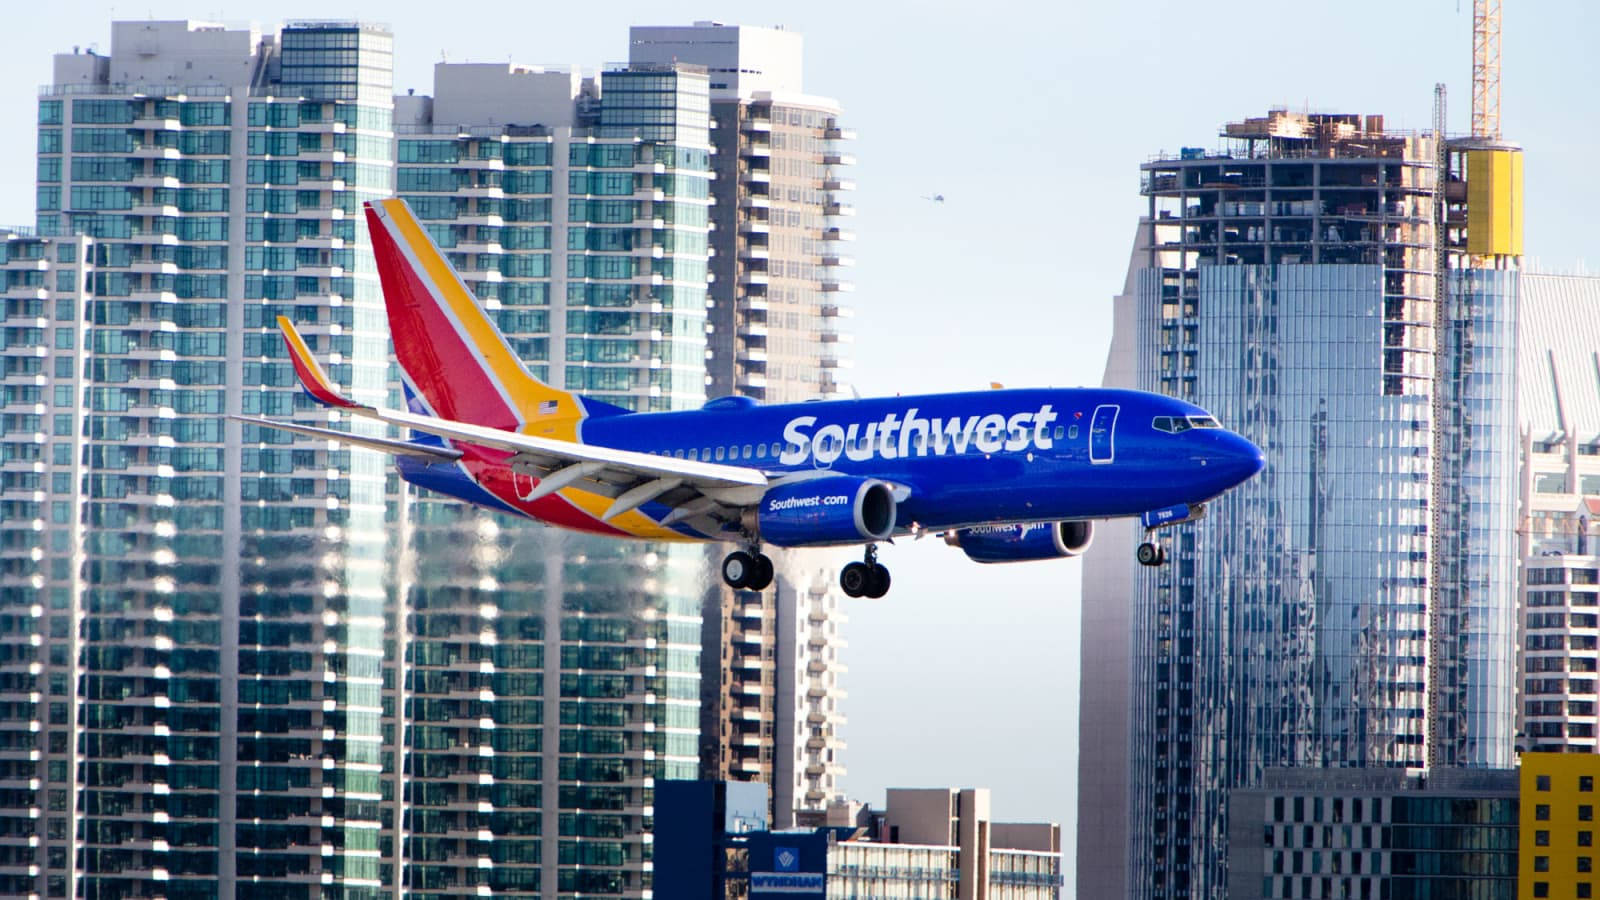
[1031, 120]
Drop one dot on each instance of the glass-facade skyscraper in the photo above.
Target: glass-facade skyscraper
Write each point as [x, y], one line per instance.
[1354, 605]
[218, 594]
[246, 664]
[552, 678]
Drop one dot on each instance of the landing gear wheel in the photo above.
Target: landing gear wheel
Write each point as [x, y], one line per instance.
[855, 578]
[737, 569]
[1151, 554]
[760, 576]
[878, 583]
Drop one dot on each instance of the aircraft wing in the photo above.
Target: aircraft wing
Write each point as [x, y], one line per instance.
[692, 488]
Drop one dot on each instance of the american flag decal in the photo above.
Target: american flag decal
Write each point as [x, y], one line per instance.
[547, 407]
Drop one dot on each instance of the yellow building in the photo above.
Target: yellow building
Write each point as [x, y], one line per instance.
[1557, 825]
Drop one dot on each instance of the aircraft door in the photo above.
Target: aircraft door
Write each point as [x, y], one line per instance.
[1102, 426]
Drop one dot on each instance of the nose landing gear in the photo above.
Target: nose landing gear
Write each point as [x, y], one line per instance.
[747, 571]
[1151, 554]
[865, 579]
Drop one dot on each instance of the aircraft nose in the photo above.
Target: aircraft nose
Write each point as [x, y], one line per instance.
[1242, 459]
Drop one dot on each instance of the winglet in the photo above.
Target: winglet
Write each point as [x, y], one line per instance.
[312, 377]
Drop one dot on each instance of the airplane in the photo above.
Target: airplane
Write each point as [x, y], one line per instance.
[1006, 475]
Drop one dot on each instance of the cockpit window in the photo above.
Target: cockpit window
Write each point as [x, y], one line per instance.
[1203, 422]
[1170, 424]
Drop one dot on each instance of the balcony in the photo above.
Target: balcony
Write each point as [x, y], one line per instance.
[832, 183]
[763, 126]
[838, 234]
[835, 158]
[168, 182]
[157, 123]
[154, 209]
[838, 209]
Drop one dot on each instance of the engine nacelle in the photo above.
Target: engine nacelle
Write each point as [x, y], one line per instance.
[837, 509]
[1023, 541]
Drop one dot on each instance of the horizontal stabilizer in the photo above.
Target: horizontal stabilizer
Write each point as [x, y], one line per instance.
[383, 445]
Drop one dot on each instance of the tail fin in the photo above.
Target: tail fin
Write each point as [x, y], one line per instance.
[451, 353]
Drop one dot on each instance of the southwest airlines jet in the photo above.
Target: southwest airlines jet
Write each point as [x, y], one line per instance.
[1006, 475]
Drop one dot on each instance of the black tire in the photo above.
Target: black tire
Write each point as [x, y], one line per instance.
[737, 567]
[855, 578]
[1161, 555]
[760, 573]
[1149, 554]
[878, 585]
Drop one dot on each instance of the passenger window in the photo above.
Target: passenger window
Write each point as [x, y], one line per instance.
[1072, 433]
[777, 448]
[721, 452]
[747, 451]
[1059, 432]
[693, 454]
[706, 454]
[761, 451]
[679, 454]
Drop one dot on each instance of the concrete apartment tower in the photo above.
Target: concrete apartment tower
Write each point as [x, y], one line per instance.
[771, 692]
[1559, 413]
[1344, 296]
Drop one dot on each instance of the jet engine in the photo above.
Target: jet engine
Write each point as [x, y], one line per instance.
[1023, 541]
[837, 509]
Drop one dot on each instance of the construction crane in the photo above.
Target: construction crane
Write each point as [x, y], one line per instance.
[1486, 69]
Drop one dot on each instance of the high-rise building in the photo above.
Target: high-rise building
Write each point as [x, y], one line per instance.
[554, 677]
[1559, 411]
[781, 215]
[1344, 296]
[771, 697]
[218, 593]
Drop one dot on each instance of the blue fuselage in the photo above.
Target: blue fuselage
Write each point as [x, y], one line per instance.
[968, 458]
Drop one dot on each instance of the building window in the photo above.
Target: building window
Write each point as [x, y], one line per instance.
[1541, 888]
[1541, 782]
[1541, 812]
[1585, 864]
[1586, 783]
[1541, 838]
[1585, 813]
[1585, 839]
[1541, 863]
[1584, 889]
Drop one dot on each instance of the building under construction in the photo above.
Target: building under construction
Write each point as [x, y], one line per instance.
[1345, 296]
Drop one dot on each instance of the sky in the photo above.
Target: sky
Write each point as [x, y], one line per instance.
[1031, 121]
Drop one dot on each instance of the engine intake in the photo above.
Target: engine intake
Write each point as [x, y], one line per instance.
[838, 509]
[1024, 541]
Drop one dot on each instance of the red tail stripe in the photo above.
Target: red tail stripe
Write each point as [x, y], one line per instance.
[431, 350]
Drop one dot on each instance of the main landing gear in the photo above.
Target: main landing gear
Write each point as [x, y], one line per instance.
[865, 579]
[747, 571]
